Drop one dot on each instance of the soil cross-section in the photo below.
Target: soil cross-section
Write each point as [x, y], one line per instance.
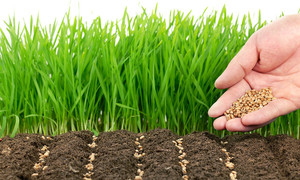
[69, 153]
[161, 159]
[203, 153]
[253, 158]
[18, 156]
[115, 158]
[287, 151]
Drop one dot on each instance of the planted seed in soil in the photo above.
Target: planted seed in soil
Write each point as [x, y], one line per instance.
[253, 156]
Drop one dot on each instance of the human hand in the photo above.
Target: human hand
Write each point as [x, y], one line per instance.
[270, 58]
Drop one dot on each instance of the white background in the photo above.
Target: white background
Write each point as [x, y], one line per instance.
[108, 10]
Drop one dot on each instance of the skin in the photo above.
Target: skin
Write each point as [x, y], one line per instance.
[270, 58]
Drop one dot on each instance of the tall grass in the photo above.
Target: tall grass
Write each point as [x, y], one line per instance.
[137, 74]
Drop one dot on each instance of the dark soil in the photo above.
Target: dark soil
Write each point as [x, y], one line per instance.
[115, 158]
[161, 159]
[204, 153]
[254, 157]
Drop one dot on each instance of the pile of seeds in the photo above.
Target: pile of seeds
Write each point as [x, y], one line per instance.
[252, 100]
[90, 166]
[138, 154]
[42, 156]
[183, 162]
[229, 164]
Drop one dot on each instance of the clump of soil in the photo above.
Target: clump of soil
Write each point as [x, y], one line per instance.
[253, 100]
[253, 158]
[115, 158]
[203, 153]
[161, 159]
[69, 153]
[287, 151]
[18, 156]
[112, 156]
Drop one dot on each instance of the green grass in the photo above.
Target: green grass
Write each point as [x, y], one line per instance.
[137, 74]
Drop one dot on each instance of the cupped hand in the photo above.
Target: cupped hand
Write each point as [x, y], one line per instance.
[270, 58]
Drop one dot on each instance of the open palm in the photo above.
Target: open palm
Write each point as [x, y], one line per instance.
[270, 58]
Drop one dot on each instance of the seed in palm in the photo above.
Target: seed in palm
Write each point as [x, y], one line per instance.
[252, 100]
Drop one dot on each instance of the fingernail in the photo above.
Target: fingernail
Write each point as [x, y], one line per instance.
[212, 110]
[218, 82]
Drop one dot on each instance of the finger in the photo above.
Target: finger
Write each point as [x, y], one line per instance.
[220, 123]
[226, 100]
[236, 125]
[239, 66]
[271, 53]
[271, 111]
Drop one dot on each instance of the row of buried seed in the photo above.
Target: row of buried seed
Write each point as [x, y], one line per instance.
[43, 155]
[138, 154]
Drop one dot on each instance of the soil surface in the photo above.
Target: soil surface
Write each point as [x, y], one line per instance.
[253, 156]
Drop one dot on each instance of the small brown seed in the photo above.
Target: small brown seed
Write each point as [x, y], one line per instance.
[137, 155]
[227, 154]
[185, 177]
[47, 153]
[92, 157]
[233, 175]
[230, 165]
[37, 166]
[95, 138]
[138, 178]
[35, 174]
[44, 148]
[179, 147]
[142, 137]
[179, 141]
[43, 156]
[45, 167]
[137, 143]
[223, 143]
[89, 167]
[43, 137]
[185, 161]
[93, 145]
[89, 174]
[182, 155]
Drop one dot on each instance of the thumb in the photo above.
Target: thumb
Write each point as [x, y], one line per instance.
[240, 65]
